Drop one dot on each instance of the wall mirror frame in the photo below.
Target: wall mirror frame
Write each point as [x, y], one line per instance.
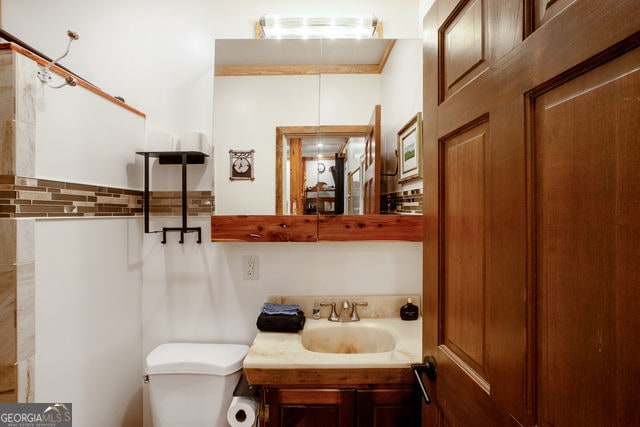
[235, 225]
[284, 133]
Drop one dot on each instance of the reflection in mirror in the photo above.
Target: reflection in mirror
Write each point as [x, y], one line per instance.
[264, 87]
[315, 175]
[328, 163]
[318, 189]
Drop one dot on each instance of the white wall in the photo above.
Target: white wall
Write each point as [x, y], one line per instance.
[196, 292]
[83, 138]
[88, 277]
[401, 100]
[88, 318]
[423, 8]
[246, 113]
[348, 99]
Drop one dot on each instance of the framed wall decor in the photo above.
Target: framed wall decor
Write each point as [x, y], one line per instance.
[410, 150]
[241, 165]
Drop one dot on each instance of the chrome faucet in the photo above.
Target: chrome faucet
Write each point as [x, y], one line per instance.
[354, 310]
[345, 314]
[333, 316]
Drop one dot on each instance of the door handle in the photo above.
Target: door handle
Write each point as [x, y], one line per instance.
[428, 368]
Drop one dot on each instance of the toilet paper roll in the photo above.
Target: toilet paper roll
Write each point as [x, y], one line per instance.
[242, 411]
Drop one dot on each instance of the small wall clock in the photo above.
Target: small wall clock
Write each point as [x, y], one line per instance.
[241, 165]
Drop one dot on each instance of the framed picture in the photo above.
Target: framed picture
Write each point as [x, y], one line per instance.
[410, 150]
[241, 165]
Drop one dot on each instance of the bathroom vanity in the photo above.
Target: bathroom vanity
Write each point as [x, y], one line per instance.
[364, 405]
[339, 373]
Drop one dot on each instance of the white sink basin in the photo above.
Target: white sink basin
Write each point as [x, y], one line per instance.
[276, 351]
[348, 338]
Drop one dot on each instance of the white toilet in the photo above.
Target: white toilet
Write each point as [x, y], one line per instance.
[191, 384]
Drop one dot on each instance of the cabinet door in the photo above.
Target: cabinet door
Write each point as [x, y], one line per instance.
[310, 407]
[388, 408]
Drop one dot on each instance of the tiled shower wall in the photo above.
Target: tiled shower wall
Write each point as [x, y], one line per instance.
[17, 260]
[17, 311]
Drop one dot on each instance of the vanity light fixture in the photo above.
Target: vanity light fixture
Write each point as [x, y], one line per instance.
[327, 27]
[44, 73]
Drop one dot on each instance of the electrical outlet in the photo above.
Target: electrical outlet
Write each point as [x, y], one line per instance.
[250, 270]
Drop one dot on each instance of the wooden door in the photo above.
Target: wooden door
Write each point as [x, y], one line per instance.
[371, 165]
[532, 212]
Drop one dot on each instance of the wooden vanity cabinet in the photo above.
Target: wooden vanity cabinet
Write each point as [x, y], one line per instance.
[308, 407]
[341, 407]
[388, 407]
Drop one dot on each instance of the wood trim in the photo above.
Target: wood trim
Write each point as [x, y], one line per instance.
[264, 228]
[64, 73]
[257, 31]
[329, 377]
[341, 228]
[283, 132]
[372, 166]
[288, 70]
[296, 176]
[385, 56]
[326, 130]
[312, 228]
[279, 166]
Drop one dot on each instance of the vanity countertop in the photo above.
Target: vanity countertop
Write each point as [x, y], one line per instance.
[280, 358]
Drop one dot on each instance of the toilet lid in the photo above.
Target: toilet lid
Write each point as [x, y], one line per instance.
[196, 358]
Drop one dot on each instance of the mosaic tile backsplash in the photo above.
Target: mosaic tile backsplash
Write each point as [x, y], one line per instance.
[32, 197]
[402, 202]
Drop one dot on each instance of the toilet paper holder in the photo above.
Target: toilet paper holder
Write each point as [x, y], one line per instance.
[244, 390]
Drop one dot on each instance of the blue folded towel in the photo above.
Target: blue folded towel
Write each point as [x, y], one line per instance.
[273, 308]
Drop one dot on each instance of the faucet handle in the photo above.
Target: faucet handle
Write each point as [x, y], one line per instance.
[333, 316]
[354, 310]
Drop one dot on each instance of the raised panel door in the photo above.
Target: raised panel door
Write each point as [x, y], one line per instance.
[531, 234]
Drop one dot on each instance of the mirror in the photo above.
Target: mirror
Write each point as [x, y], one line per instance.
[312, 166]
[281, 98]
[310, 170]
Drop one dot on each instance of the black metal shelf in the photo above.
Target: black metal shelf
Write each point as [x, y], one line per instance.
[183, 158]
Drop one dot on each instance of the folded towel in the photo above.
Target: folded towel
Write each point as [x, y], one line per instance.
[281, 322]
[287, 309]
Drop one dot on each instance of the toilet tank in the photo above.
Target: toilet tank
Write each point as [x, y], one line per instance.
[191, 384]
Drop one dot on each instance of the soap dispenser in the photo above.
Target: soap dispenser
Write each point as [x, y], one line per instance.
[409, 311]
[316, 310]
